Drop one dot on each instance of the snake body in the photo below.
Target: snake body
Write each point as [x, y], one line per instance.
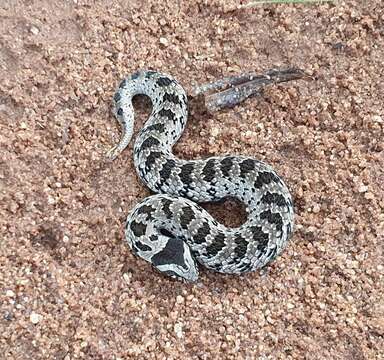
[169, 229]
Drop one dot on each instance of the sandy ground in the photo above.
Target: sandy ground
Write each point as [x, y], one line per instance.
[69, 286]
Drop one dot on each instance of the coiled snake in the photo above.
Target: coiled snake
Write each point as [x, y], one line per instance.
[169, 229]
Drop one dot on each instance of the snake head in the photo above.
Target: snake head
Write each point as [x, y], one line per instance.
[175, 260]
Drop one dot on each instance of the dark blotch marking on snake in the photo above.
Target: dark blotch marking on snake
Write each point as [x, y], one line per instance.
[186, 217]
[171, 98]
[158, 127]
[201, 235]
[147, 210]
[151, 159]
[119, 111]
[166, 208]
[169, 114]
[259, 237]
[143, 247]
[241, 247]
[208, 171]
[149, 142]
[273, 198]
[185, 174]
[265, 178]
[165, 172]
[273, 218]
[117, 97]
[154, 238]
[246, 167]
[226, 165]
[164, 81]
[217, 245]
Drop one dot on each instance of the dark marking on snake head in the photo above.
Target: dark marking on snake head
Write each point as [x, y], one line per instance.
[272, 218]
[246, 166]
[122, 84]
[142, 247]
[166, 233]
[154, 238]
[117, 97]
[201, 235]
[138, 228]
[164, 81]
[119, 111]
[217, 245]
[260, 238]
[186, 217]
[171, 98]
[185, 174]
[273, 198]
[149, 142]
[208, 171]
[147, 210]
[172, 253]
[226, 165]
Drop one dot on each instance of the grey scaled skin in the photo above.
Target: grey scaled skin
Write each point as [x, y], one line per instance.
[169, 229]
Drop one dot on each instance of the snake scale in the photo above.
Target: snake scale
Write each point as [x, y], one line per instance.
[169, 229]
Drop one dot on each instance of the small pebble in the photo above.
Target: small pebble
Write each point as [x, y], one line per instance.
[9, 293]
[178, 328]
[35, 318]
[163, 41]
[34, 30]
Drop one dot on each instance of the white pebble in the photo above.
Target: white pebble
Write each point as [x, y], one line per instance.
[163, 41]
[9, 293]
[363, 188]
[178, 328]
[35, 318]
[34, 30]
[215, 131]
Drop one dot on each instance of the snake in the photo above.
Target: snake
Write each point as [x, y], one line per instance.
[169, 229]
